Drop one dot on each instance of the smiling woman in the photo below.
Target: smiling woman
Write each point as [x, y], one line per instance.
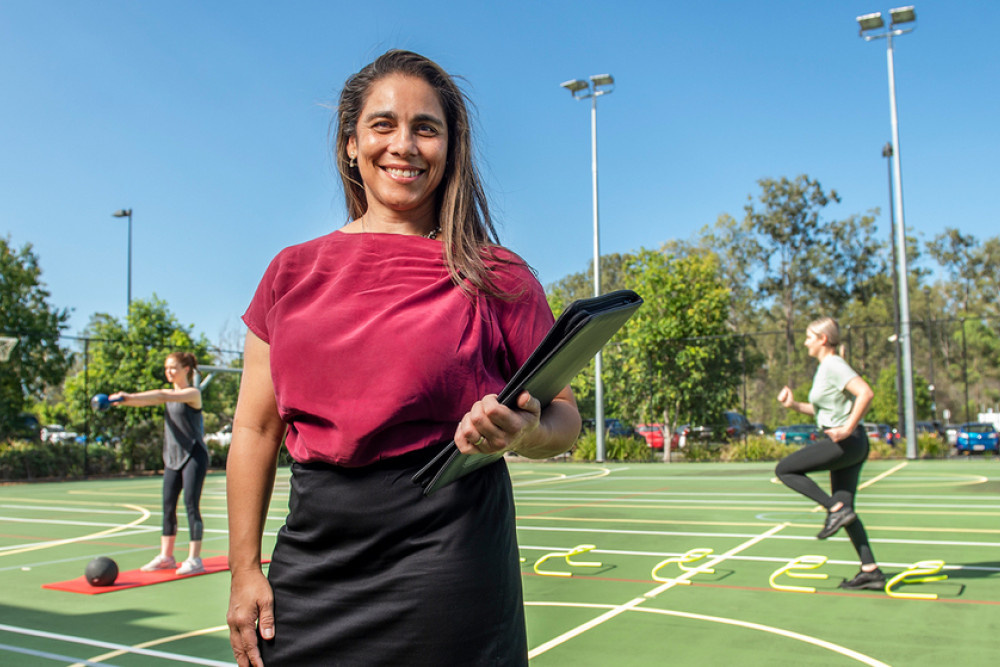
[373, 347]
[401, 148]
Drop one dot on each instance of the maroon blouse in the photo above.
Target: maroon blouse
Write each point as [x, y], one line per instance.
[375, 352]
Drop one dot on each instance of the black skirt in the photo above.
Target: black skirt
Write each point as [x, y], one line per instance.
[369, 571]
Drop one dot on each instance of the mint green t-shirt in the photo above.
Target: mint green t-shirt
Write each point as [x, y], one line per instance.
[829, 400]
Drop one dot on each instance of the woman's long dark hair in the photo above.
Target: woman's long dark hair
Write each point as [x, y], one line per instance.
[462, 210]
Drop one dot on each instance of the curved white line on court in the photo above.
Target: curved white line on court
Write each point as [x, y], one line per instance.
[154, 642]
[879, 478]
[821, 643]
[83, 538]
[558, 479]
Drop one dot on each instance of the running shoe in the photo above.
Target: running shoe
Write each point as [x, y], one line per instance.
[159, 563]
[845, 516]
[191, 566]
[873, 581]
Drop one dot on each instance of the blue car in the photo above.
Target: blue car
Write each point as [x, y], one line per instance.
[979, 437]
[802, 433]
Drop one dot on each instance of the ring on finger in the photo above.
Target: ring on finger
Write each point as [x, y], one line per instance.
[479, 442]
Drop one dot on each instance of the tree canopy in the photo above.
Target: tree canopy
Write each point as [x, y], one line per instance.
[37, 362]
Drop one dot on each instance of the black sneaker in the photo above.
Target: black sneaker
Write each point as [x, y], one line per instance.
[873, 581]
[845, 516]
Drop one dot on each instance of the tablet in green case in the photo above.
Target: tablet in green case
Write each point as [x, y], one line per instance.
[579, 334]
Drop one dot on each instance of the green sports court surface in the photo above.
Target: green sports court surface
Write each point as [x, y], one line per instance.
[732, 519]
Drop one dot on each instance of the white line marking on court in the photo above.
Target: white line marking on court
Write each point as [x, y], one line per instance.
[797, 538]
[620, 609]
[878, 478]
[176, 657]
[51, 656]
[82, 538]
[558, 479]
[821, 643]
[154, 642]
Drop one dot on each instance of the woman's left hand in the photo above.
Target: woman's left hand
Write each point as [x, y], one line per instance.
[491, 427]
[838, 433]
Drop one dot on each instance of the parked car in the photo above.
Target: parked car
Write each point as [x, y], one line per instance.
[976, 437]
[57, 433]
[881, 432]
[801, 433]
[26, 427]
[734, 426]
[223, 436]
[612, 427]
[932, 428]
[653, 433]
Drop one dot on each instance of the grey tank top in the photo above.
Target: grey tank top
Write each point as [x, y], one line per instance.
[183, 434]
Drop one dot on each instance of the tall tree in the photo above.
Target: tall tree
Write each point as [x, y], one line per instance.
[130, 358]
[792, 238]
[676, 355]
[740, 255]
[37, 361]
[953, 251]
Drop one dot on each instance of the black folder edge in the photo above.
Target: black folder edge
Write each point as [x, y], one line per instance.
[579, 333]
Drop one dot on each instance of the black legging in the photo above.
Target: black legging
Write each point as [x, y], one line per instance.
[844, 460]
[191, 477]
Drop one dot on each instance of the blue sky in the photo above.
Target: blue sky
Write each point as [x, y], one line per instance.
[210, 121]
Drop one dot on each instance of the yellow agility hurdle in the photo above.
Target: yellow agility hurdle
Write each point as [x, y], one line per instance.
[689, 557]
[802, 562]
[568, 555]
[929, 568]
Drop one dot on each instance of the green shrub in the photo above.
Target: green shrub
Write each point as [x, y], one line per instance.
[28, 460]
[756, 448]
[880, 449]
[931, 446]
[696, 451]
[615, 449]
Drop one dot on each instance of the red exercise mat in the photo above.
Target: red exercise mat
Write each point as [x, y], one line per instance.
[135, 578]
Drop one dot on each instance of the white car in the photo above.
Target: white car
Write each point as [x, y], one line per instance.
[57, 433]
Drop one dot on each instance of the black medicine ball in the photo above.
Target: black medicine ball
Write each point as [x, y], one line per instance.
[102, 571]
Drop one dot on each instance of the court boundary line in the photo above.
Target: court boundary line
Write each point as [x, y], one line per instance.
[620, 609]
[750, 625]
[111, 645]
[82, 538]
[153, 642]
[9, 648]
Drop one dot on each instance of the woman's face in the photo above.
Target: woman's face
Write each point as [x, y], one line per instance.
[401, 146]
[174, 371]
[814, 342]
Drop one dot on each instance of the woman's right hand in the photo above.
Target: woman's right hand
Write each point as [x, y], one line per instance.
[785, 397]
[251, 605]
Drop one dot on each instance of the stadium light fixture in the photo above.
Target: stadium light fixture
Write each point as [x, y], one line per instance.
[127, 213]
[599, 84]
[871, 21]
[902, 15]
[868, 23]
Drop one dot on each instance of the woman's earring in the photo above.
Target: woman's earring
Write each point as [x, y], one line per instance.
[353, 163]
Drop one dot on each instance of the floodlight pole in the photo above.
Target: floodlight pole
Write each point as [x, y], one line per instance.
[887, 153]
[899, 16]
[583, 90]
[127, 213]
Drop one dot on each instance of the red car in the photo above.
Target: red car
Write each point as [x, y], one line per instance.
[653, 433]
